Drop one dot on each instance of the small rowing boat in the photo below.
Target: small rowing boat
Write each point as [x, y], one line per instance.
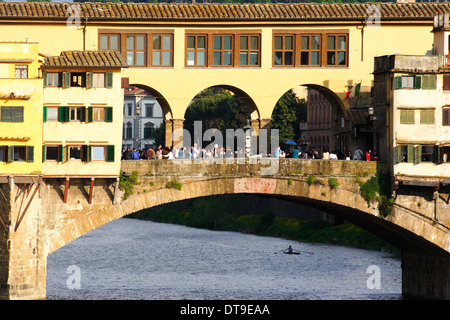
[291, 252]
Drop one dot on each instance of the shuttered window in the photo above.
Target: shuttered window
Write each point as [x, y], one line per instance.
[446, 116]
[407, 116]
[11, 114]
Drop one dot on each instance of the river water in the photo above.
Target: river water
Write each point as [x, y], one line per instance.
[144, 260]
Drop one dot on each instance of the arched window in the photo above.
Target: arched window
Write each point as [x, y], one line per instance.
[129, 131]
[149, 130]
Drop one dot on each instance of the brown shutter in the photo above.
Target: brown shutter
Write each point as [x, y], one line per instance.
[446, 82]
[125, 83]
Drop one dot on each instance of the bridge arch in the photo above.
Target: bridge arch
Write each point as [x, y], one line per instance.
[165, 106]
[241, 95]
[410, 233]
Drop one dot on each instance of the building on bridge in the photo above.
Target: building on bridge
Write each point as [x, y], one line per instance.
[412, 99]
[82, 109]
[21, 102]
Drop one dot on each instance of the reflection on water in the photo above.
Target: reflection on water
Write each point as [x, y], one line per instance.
[135, 259]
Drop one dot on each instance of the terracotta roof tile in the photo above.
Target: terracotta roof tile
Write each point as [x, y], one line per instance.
[107, 59]
[215, 11]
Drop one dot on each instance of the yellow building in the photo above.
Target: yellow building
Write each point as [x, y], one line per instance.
[20, 109]
[412, 100]
[82, 114]
[259, 51]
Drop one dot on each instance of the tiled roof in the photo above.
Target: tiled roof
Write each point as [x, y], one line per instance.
[219, 11]
[358, 116]
[105, 59]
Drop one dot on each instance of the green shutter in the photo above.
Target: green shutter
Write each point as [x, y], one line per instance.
[30, 153]
[84, 79]
[66, 79]
[397, 154]
[109, 79]
[11, 153]
[44, 76]
[90, 80]
[61, 153]
[410, 154]
[398, 82]
[110, 153]
[83, 114]
[429, 81]
[417, 154]
[417, 82]
[437, 154]
[64, 114]
[43, 152]
[109, 114]
[84, 153]
[89, 114]
[45, 113]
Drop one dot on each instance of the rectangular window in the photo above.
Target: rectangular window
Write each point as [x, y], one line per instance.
[77, 114]
[98, 80]
[427, 153]
[52, 153]
[19, 153]
[249, 50]
[429, 81]
[222, 51]
[98, 114]
[446, 116]
[310, 50]
[403, 153]
[135, 50]
[77, 79]
[196, 50]
[446, 81]
[407, 116]
[336, 53]
[283, 50]
[74, 152]
[53, 79]
[149, 110]
[427, 116]
[408, 82]
[161, 50]
[52, 114]
[11, 114]
[21, 71]
[109, 42]
[445, 154]
[98, 153]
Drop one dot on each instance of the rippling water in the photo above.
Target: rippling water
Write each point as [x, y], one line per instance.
[135, 259]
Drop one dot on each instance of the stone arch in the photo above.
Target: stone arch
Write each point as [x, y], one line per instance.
[167, 111]
[400, 230]
[242, 95]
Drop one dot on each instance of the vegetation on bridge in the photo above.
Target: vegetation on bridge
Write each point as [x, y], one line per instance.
[378, 187]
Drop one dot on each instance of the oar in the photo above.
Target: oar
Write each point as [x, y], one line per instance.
[307, 252]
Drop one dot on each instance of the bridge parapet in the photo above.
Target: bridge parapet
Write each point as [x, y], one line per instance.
[254, 167]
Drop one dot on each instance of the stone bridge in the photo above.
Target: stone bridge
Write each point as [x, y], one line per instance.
[40, 215]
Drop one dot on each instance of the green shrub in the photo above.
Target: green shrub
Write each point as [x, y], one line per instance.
[174, 184]
[310, 180]
[333, 183]
[126, 183]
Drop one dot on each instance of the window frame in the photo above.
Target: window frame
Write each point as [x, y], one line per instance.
[309, 50]
[23, 71]
[446, 116]
[283, 50]
[322, 51]
[336, 50]
[407, 113]
[148, 46]
[14, 113]
[161, 50]
[135, 49]
[209, 47]
[249, 50]
[196, 50]
[427, 116]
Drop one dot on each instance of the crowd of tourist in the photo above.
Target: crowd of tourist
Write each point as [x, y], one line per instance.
[216, 151]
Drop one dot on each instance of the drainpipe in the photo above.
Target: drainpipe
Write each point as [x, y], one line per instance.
[436, 200]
